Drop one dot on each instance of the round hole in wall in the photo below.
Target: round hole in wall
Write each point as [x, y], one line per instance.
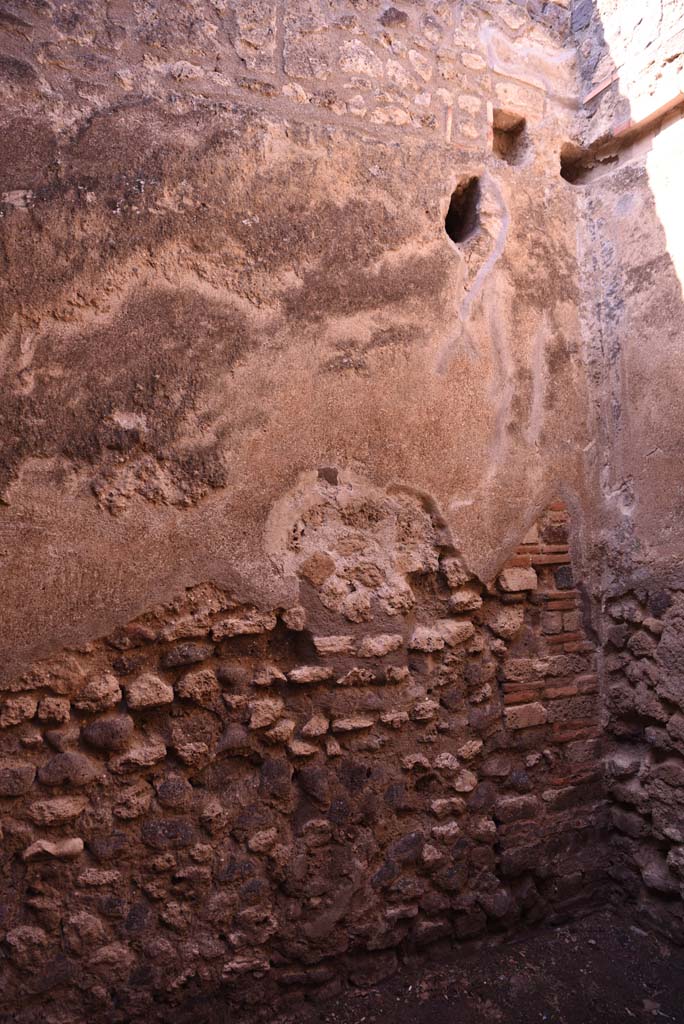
[463, 215]
[573, 162]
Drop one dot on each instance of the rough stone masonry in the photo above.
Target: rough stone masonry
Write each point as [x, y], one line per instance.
[341, 521]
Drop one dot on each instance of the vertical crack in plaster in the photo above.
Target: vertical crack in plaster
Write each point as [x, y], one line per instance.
[475, 290]
[536, 417]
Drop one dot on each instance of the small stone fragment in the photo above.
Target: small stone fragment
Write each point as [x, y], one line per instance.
[174, 791]
[317, 568]
[69, 768]
[63, 849]
[445, 806]
[57, 810]
[32, 738]
[427, 638]
[250, 622]
[463, 781]
[446, 833]
[56, 709]
[329, 645]
[148, 691]
[96, 877]
[98, 694]
[431, 856]
[27, 946]
[411, 761]
[298, 748]
[17, 709]
[455, 631]
[505, 620]
[245, 965]
[358, 59]
[186, 654]
[16, 777]
[311, 674]
[168, 833]
[281, 731]
[483, 829]
[424, 710]
[265, 712]
[470, 749]
[236, 741]
[262, 842]
[380, 645]
[624, 762]
[465, 599]
[143, 755]
[199, 686]
[267, 675]
[517, 579]
[295, 618]
[407, 848]
[231, 673]
[447, 762]
[316, 726]
[397, 674]
[64, 738]
[110, 733]
[133, 801]
[454, 571]
[190, 752]
[524, 716]
[352, 723]
[642, 644]
[357, 606]
[357, 677]
[392, 17]
[394, 719]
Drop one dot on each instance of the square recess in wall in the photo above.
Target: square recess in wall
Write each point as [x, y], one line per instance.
[509, 136]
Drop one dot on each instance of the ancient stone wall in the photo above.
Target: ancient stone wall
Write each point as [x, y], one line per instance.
[308, 311]
[218, 799]
[645, 771]
[631, 59]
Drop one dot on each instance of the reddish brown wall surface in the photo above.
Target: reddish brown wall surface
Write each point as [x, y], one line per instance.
[254, 802]
[282, 692]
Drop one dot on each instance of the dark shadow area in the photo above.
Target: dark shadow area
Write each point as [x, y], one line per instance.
[509, 137]
[600, 968]
[624, 162]
[463, 215]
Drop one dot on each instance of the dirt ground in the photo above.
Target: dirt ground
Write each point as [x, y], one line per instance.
[600, 969]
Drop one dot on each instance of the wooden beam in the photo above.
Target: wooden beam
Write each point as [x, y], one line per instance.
[630, 127]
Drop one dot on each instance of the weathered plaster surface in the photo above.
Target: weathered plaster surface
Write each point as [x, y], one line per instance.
[300, 665]
[632, 272]
[235, 226]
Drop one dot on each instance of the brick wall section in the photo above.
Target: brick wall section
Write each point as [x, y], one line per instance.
[569, 702]
[261, 802]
